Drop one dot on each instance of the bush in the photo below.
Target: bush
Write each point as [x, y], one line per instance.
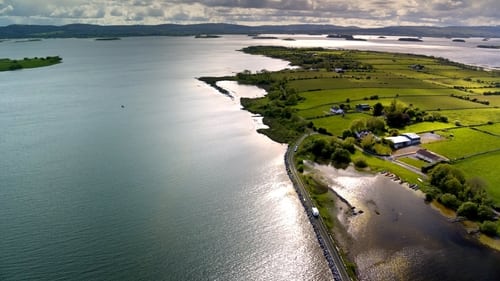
[489, 228]
[450, 201]
[360, 163]
[485, 212]
[468, 210]
[341, 157]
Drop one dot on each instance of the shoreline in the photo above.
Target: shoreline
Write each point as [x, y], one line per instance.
[330, 248]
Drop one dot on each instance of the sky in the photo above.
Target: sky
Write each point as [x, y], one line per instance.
[362, 13]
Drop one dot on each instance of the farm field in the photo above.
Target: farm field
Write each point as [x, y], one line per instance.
[481, 166]
[463, 142]
[446, 97]
[491, 128]
[468, 117]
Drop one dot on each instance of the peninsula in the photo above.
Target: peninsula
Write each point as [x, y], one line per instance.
[361, 108]
[10, 64]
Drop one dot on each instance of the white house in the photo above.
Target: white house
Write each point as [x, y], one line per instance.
[336, 111]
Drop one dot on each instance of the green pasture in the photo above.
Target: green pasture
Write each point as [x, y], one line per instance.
[458, 143]
[460, 82]
[417, 163]
[483, 90]
[426, 127]
[491, 128]
[336, 124]
[318, 111]
[441, 102]
[484, 167]
[472, 116]
[494, 100]
[419, 74]
[362, 95]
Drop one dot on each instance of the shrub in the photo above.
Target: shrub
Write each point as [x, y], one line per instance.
[468, 210]
[488, 228]
[360, 163]
[450, 201]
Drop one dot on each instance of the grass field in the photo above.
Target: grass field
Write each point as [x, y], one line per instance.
[481, 166]
[425, 83]
[463, 142]
[427, 127]
[337, 124]
[472, 116]
[417, 163]
[439, 102]
[493, 128]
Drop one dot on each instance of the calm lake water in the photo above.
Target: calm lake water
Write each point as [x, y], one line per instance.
[176, 185]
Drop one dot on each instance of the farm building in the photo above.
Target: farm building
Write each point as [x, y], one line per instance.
[428, 156]
[399, 141]
[336, 110]
[363, 107]
[414, 138]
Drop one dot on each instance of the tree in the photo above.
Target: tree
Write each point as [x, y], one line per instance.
[452, 185]
[468, 210]
[485, 212]
[341, 157]
[450, 201]
[367, 142]
[378, 109]
[441, 176]
[489, 228]
[358, 125]
[376, 125]
[397, 119]
[349, 143]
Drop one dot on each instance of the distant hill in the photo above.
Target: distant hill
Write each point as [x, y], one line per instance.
[88, 30]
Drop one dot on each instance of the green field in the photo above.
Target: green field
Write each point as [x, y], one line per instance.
[421, 85]
[491, 128]
[417, 163]
[468, 117]
[427, 127]
[484, 166]
[463, 142]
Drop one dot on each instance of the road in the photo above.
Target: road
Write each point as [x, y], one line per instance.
[330, 250]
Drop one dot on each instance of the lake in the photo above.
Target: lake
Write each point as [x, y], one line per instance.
[119, 165]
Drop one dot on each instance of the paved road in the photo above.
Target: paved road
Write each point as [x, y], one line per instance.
[335, 261]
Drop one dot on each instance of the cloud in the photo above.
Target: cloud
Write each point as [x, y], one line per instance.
[252, 12]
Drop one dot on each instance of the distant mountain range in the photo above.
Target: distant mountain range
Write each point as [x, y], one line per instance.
[88, 30]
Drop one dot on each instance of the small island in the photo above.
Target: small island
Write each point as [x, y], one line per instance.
[409, 39]
[107, 39]
[206, 36]
[10, 64]
[345, 36]
[264, 37]
[489, 46]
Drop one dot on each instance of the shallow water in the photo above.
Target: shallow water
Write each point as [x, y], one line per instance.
[399, 237]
